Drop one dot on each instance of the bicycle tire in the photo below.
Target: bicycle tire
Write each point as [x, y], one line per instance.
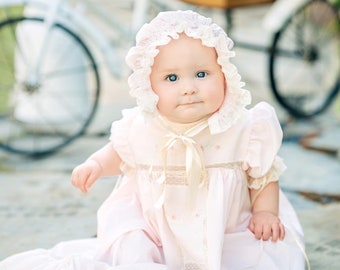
[42, 118]
[304, 62]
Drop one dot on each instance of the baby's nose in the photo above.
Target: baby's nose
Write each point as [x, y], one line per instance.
[190, 91]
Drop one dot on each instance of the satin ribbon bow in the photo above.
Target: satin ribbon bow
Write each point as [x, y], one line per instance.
[194, 158]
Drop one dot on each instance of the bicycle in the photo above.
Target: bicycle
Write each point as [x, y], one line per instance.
[39, 115]
[50, 82]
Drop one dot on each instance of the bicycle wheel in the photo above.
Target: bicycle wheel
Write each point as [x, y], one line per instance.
[43, 109]
[304, 64]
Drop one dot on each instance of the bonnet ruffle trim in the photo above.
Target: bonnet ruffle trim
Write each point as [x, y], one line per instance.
[166, 26]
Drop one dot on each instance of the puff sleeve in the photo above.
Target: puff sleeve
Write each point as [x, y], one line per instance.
[120, 135]
[261, 162]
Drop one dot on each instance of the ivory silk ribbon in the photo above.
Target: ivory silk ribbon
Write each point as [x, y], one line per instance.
[194, 158]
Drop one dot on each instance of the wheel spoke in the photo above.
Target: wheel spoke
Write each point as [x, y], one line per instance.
[41, 116]
[306, 80]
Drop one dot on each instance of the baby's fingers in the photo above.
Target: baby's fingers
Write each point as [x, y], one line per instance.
[79, 179]
[282, 231]
[266, 232]
[251, 226]
[278, 232]
[256, 229]
[90, 180]
[275, 232]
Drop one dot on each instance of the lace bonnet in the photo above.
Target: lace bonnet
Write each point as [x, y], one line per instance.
[166, 26]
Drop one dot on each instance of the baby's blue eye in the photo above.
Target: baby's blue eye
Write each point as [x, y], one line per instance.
[172, 78]
[201, 74]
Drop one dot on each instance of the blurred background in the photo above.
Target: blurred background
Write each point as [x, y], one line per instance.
[63, 80]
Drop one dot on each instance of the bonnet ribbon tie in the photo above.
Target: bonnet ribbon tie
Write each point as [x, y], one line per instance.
[194, 158]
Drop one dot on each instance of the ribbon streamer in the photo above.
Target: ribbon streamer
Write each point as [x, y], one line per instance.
[194, 158]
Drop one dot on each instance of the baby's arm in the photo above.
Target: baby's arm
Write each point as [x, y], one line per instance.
[265, 222]
[104, 162]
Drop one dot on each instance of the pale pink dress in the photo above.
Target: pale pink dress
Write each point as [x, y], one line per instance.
[151, 223]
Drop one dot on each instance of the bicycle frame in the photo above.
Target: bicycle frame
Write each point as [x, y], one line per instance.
[59, 11]
[279, 13]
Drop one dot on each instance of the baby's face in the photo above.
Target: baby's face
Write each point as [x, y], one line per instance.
[188, 80]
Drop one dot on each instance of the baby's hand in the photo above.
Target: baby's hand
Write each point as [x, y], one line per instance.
[265, 225]
[85, 174]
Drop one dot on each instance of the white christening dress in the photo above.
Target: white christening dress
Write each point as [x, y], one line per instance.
[156, 219]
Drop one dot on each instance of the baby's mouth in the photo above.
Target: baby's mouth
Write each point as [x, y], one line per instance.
[190, 102]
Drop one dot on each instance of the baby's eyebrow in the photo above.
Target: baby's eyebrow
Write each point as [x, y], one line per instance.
[169, 70]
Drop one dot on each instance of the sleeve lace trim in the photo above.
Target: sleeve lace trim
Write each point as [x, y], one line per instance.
[272, 175]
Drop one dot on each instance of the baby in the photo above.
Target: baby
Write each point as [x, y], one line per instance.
[199, 171]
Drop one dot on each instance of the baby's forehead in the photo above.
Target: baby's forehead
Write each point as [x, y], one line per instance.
[184, 53]
[184, 40]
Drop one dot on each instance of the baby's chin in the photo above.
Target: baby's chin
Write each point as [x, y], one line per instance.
[188, 119]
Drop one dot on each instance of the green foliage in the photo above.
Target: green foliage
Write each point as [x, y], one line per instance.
[7, 42]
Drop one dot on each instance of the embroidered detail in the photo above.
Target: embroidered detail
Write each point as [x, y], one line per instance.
[193, 266]
[176, 178]
[230, 165]
[176, 175]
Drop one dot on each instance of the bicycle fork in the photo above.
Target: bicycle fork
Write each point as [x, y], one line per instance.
[33, 77]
